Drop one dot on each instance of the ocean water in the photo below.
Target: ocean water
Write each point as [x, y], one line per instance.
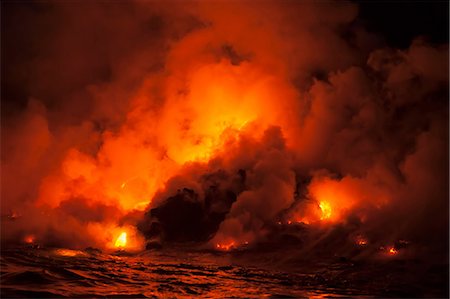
[49, 273]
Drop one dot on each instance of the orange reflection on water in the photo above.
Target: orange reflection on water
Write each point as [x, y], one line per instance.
[69, 252]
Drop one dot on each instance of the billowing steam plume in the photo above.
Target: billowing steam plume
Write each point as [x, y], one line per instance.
[217, 122]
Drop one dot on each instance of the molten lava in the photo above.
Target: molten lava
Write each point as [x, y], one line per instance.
[325, 207]
[392, 251]
[29, 239]
[361, 241]
[121, 241]
[226, 246]
[264, 130]
[69, 252]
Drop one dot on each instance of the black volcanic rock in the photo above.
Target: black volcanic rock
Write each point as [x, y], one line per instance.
[185, 218]
[180, 217]
[188, 217]
[153, 245]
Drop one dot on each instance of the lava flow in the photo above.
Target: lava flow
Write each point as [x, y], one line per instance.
[288, 134]
[121, 241]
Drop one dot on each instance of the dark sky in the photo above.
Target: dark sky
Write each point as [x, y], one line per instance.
[400, 21]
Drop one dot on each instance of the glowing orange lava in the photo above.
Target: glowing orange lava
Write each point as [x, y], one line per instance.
[29, 239]
[68, 252]
[361, 242]
[121, 241]
[325, 207]
[225, 247]
[392, 251]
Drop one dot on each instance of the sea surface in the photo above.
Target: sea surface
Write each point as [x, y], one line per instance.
[49, 273]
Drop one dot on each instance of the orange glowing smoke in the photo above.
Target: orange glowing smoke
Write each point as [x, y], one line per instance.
[111, 237]
[298, 221]
[224, 101]
[304, 221]
[329, 200]
[121, 241]
[199, 105]
[335, 198]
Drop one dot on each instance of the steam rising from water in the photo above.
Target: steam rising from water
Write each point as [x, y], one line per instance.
[275, 113]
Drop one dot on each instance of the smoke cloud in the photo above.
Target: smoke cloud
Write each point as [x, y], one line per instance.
[212, 122]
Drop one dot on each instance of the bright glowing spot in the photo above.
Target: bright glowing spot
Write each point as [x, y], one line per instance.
[29, 239]
[225, 247]
[68, 252]
[326, 210]
[123, 185]
[361, 242]
[392, 251]
[121, 240]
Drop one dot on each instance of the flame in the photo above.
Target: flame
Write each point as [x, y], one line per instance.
[325, 207]
[121, 241]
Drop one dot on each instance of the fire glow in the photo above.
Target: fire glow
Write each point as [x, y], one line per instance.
[361, 241]
[224, 125]
[392, 251]
[121, 241]
[326, 210]
[29, 239]
[227, 246]
[69, 252]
